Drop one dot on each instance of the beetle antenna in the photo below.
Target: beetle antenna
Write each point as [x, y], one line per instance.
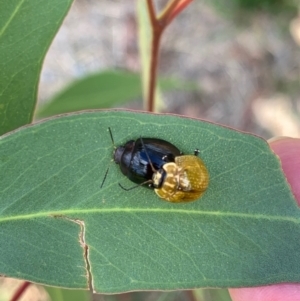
[104, 177]
[113, 142]
[111, 137]
[149, 160]
[136, 186]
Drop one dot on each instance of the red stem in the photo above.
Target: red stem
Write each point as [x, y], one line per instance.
[153, 68]
[168, 9]
[151, 11]
[177, 10]
[20, 291]
[158, 24]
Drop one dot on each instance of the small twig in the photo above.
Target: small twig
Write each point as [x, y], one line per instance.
[168, 9]
[20, 291]
[153, 68]
[151, 11]
[158, 24]
[177, 10]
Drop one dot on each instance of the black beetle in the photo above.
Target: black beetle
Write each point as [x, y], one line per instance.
[140, 158]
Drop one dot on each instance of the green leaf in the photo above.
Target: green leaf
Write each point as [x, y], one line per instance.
[244, 231]
[27, 28]
[102, 90]
[145, 36]
[59, 294]
[212, 294]
[96, 91]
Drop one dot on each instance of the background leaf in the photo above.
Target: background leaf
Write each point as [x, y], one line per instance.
[26, 29]
[211, 295]
[102, 90]
[59, 294]
[244, 231]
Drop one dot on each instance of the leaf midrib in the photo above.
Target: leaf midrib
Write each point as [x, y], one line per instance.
[70, 212]
[14, 13]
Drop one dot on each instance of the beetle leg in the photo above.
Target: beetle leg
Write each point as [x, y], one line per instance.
[136, 186]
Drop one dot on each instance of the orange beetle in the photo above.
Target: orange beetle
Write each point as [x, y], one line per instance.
[184, 180]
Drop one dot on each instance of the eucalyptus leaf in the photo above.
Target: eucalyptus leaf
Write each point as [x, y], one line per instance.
[244, 231]
[105, 89]
[212, 294]
[27, 28]
[59, 294]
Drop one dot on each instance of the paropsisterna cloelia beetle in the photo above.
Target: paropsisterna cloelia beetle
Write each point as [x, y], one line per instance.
[184, 180]
[138, 159]
[161, 166]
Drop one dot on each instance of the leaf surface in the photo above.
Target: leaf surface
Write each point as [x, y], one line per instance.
[244, 231]
[26, 29]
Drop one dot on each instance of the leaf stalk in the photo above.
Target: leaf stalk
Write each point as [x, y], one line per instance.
[158, 25]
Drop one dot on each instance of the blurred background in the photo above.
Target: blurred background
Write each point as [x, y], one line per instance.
[241, 56]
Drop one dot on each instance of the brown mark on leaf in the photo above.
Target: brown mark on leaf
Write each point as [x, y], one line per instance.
[84, 246]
